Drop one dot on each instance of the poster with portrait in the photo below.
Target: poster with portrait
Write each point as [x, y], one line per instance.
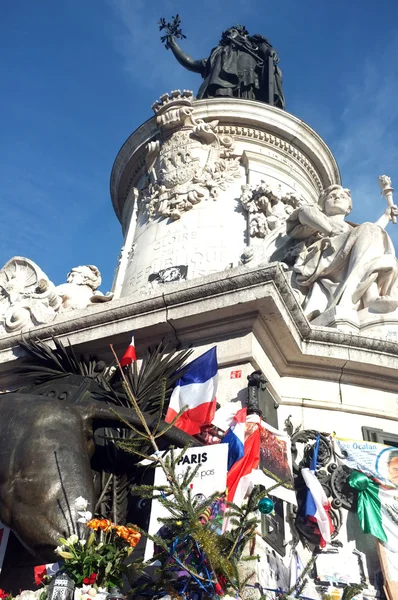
[211, 477]
[375, 460]
[276, 463]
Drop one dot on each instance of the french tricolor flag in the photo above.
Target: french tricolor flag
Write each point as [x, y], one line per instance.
[196, 390]
[317, 506]
[43, 571]
[240, 475]
[235, 437]
[130, 355]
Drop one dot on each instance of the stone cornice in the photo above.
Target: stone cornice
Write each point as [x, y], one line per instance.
[273, 141]
[241, 300]
[250, 119]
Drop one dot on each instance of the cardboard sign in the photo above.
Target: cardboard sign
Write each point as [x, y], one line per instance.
[210, 478]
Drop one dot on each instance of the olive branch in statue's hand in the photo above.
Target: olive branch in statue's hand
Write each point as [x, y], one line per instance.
[173, 29]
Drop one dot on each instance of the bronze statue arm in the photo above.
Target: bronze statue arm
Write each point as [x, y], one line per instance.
[184, 59]
[95, 410]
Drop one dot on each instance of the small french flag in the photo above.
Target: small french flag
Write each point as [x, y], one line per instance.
[196, 390]
[240, 475]
[130, 355]
[235, 437]
[42, 571]
[317, 506]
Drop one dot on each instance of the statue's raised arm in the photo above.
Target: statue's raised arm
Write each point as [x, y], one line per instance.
[241, 66]
[183, 58]
[169, 39]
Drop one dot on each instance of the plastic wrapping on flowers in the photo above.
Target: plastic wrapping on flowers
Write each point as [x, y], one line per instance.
[86, 592]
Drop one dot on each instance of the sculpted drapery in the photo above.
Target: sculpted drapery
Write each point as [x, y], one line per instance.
[342, 263]
[241, 66]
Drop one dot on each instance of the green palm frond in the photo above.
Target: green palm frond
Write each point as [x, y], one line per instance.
[159, 365]
[44, 363]
[151, 383]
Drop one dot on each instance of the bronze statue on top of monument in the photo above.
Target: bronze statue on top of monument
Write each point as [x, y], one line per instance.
[241, 66]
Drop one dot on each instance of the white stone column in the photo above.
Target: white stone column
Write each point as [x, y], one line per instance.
[189, 164]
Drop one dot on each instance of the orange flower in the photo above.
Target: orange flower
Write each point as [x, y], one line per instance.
[106, 525]
[134, 538]
[129, 534]
[122, 531]
[94, 524]
[103, 524]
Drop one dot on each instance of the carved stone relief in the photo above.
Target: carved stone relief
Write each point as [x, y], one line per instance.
[268, 207]
[189, 163]
[28, 298]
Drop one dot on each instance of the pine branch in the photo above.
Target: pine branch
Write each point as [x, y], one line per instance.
[187, 540]
[300, 583]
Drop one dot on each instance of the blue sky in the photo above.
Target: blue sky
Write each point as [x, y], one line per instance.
[78, 76]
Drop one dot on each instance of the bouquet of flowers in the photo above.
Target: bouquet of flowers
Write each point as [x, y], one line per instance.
[98, 558]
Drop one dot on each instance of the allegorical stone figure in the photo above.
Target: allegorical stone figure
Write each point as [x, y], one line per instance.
[80, 289]
[241, 66]
[343, 263]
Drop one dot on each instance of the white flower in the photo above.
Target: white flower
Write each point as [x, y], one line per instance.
[81, 503]
[59, 549]
[92, 592]
[81, 593]
[72, 539]
[27, 595]
[82, 542]
[84, 516]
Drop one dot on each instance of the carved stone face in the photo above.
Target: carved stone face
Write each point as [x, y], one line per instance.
[337, 202]
[84, 276]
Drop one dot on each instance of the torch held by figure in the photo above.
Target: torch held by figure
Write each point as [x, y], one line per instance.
[387, 191]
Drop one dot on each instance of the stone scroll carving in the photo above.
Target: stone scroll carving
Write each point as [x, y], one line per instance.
[28, 298]
[189, 163]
